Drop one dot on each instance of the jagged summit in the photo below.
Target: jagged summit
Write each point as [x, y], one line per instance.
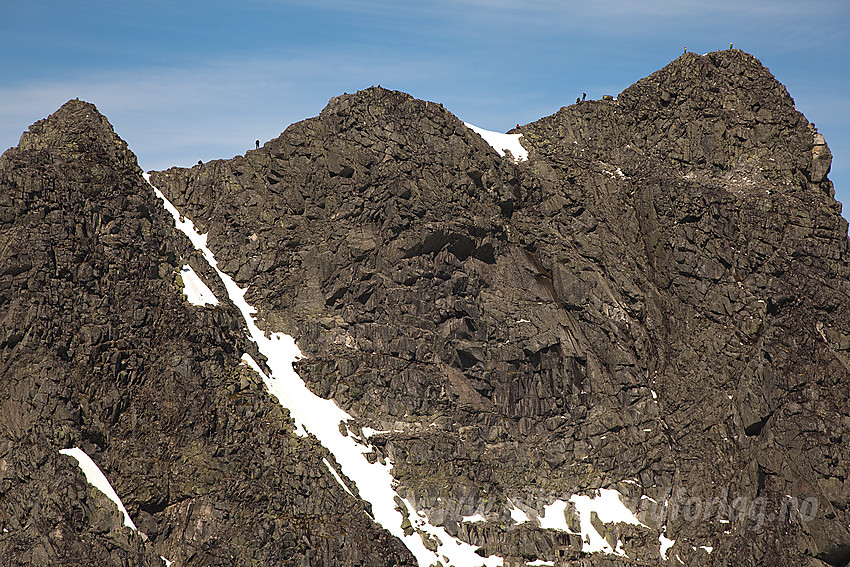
[721, 116]
[377, 116]
[77, 131]
[387, 100]
[362, 150]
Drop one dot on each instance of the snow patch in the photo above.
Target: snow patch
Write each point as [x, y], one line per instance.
[707, 548]
[610, 509]
[452, 550]
[501, 142]
[541, 562]
[666, 544]
[474, 518]
[321, 417]
[96, 478]
[554, 517]
[197, 292]
[619, 549]
[368, 431]
[517, 515]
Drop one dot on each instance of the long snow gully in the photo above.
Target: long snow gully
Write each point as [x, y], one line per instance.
[321, 417]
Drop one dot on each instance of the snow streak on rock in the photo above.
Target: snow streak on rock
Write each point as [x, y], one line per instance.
[517, 515]
[96, 478]
[336, 475]
[322, 418]
[197, 292]
[666, 544]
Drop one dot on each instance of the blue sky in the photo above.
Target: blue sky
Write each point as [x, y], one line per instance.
[183, 81]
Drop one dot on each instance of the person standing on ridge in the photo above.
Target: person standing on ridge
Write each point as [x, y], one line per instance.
[258, 144]
[583, 96]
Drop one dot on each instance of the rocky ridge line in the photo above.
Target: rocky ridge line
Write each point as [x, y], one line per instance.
[99, 349]
[654, 302]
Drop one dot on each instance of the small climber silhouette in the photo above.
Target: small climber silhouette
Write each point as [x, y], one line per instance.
[258, 144]
[583, 96]
[686, 49]
[578, 100]
[730, 46]
[200, 162]
[517, 126]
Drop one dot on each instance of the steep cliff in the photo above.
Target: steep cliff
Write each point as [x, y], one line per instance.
[99, 349]
[653, 304]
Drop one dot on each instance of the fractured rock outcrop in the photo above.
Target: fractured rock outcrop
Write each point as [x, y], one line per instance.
[655, 301]
[99, 349]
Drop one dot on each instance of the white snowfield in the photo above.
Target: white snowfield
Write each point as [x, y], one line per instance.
[501, 142]
[96, 478]
[322, 418]
[197, 292]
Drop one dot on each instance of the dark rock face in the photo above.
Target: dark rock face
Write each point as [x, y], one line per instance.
[99, 349]
[656, 302]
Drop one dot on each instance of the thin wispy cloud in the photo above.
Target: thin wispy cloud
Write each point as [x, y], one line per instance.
[632, 17]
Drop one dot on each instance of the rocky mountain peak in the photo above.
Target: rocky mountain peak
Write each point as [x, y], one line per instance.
[381, 100]
[78, 133]
[376, 124]
[720, 115]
